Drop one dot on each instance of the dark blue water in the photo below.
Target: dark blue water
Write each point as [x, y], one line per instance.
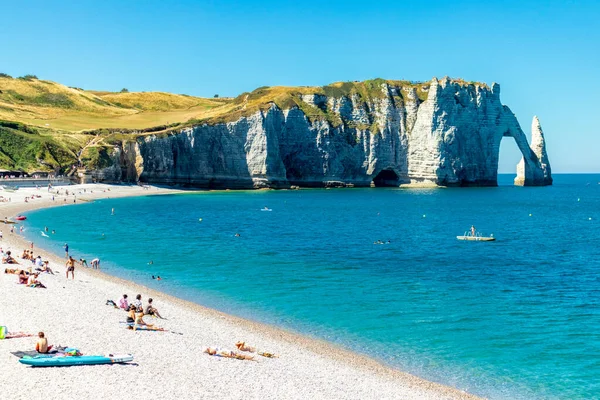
[515, 318]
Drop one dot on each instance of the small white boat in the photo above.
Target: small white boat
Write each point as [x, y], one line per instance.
[476, 238]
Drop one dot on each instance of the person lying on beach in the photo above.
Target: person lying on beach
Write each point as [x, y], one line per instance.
[42, 344]
[241, 346]
[151, 310]
[123, 303]
[215, 351]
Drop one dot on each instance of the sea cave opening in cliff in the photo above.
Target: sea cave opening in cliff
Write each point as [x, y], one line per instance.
[386, 178]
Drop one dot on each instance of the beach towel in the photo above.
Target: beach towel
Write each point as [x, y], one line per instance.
[33, 353]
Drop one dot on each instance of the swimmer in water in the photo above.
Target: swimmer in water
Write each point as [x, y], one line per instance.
[237, 235]
[151, 262]
[112, 211]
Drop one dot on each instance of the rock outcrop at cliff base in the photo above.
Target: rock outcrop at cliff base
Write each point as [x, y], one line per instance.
[444, 132]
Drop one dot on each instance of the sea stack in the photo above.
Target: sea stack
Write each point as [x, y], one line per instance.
[536, 171]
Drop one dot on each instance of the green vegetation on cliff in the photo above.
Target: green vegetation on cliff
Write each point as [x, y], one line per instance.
[29, 149]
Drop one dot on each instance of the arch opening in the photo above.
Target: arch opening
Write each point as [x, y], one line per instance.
[509, 156]
[386, 178]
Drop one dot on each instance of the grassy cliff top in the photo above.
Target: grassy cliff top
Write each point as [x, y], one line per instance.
[49, 104]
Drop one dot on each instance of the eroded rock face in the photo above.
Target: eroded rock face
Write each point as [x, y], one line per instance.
[450, 138]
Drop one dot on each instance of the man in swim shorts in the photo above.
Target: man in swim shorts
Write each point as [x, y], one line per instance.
[70, 264]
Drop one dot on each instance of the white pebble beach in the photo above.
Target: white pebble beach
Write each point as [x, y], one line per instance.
[166, 365]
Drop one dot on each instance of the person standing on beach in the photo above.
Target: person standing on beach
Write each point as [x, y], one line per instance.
[70, 264]
[66, 249]
[0, 235]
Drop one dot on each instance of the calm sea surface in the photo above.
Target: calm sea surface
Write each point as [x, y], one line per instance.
[515, 318]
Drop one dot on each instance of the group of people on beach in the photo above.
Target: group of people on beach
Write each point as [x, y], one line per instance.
[239, 353]
[136, 312]
[25, 272]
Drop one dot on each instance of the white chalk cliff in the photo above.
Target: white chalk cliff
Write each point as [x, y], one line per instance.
[446, 132]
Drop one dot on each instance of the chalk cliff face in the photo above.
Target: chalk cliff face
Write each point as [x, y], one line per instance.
[445, 132]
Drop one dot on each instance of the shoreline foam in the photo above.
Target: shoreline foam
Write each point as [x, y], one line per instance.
[307, 367]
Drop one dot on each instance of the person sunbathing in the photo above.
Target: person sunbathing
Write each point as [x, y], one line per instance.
[45, 268]
[8, 259]
[131, 314]
[139, 320]
[151, 310]
[23, 277]
[42, 344]
[243, 347]
[215, 351]
[33, 282]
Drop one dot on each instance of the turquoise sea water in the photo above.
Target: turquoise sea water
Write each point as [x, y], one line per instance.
[515, 318]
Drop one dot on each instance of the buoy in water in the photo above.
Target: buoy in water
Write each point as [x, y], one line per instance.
[530, 215]
[424, 216]
[200, 219]
[578, 199]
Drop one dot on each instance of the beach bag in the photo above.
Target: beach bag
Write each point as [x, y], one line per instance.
[3, 332]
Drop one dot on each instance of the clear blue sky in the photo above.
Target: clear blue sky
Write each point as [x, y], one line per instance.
[545, 55]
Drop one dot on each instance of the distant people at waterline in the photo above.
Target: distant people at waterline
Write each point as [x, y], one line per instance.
[66, 247]
[95, 263]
